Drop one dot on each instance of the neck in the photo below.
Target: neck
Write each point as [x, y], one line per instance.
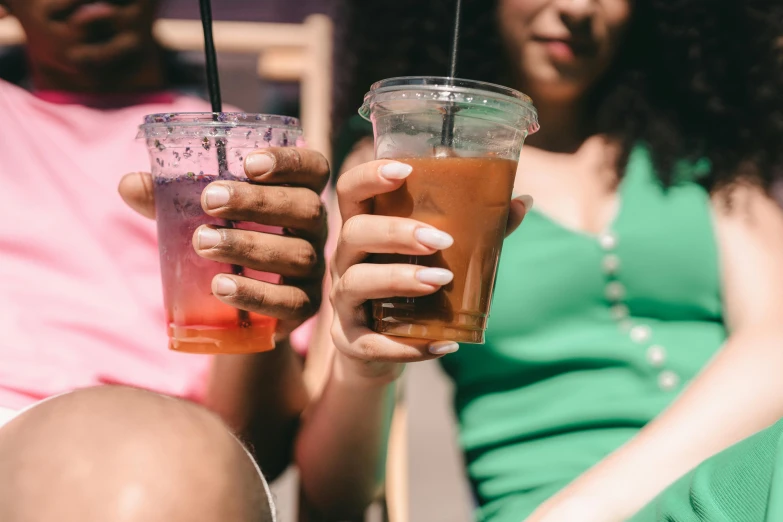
[140, 74]
[564, 126]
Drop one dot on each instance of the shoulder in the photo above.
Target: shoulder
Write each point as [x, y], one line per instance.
[749, 228]
[745, 206]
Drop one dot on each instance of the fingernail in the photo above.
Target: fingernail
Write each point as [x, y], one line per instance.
[433, 238]
[443, 347]
[259, 164]
[216, 196]
[527, 201]
[225, 286]
[395, 170]
[208, 238]
[434, 276]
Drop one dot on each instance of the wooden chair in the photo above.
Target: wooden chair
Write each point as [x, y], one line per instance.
[299, 53]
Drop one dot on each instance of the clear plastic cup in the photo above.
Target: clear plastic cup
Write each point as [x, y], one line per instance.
[186, 150]
[463, 140]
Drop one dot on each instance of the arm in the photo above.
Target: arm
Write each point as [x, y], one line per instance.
[341, 446]
[739, 393]
[261, 396]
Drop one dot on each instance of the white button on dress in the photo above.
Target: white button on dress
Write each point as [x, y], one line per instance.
[615, 291]
[656, 355]
[668, 380]
[640, 333]
[608, 240]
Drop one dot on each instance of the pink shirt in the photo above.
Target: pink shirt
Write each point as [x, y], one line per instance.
[80, 296]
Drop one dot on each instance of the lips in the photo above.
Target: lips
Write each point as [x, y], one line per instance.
[86, 11]
[568, 45]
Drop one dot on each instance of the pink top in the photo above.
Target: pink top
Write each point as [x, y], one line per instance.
[80, 296]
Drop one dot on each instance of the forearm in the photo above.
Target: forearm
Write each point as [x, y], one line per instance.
[261, 397]
[342, 444]
[739, 393]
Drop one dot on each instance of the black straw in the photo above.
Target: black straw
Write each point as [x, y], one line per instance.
[455, 39]
[447, 131]
[213, 80]
[213, 83]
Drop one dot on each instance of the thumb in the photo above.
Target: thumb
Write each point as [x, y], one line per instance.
[136, 189]
[519, 207]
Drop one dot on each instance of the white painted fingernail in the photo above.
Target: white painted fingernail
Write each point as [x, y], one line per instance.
[395, 170]
[434, 276]
[225, 286]
[433, 238]
[443, 347]
[527, 201]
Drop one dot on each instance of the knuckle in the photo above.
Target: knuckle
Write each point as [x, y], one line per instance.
[267, 253]
[313, 210]
[322, 167]
[290, 159]
[398, 278]
[394, 230]
[258, 296]
[336, 331]
[261, 199]
[334, 294]
[297, 302]
[351, 230]
[343, 185]
[306, 257]
[348, 282]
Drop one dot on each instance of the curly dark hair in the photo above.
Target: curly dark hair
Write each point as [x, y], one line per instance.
[693, 78]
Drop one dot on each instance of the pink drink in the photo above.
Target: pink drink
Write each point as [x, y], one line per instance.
[186, 150]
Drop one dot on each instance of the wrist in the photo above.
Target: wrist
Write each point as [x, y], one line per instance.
[364, 374]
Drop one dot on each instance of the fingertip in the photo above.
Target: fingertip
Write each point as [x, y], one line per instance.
[137, 191]
[518, 209]
[395, 171]
[259, 163]
[442, 347]
[527, 201]
[215, 196]
[224, 286]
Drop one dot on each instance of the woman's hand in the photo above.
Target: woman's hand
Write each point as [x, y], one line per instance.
[354, 282]
[287, 195]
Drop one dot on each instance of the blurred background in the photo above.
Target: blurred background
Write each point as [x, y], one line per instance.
[241, 85]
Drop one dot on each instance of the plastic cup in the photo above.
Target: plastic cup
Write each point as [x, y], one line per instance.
[186, 150]
[463, 140]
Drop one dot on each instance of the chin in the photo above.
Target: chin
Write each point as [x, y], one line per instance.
[549, 84]
[111, 54]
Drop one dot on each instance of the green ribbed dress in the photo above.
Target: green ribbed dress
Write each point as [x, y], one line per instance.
[590, 337]
[742, 484]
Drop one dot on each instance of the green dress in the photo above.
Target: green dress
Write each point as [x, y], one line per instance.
[590, 338]
[742, 484]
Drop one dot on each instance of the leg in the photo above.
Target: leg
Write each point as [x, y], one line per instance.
[127, 455]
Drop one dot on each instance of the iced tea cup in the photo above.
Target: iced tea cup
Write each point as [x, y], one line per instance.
[463, 139]
[188, 151]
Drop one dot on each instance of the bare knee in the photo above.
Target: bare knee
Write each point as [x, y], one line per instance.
[119, 453]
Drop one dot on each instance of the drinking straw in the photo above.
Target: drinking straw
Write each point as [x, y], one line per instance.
[213, 80]
[213, 83]
[447, 131]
